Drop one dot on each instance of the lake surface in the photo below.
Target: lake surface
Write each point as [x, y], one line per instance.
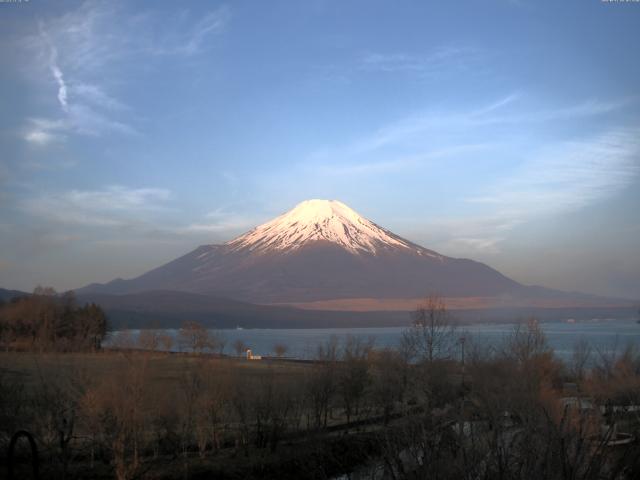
[603, 335]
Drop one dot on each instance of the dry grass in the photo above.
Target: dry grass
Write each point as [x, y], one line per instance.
[163, 369]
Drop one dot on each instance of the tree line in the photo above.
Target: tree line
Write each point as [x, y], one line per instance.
[192, 337]
[47, 321]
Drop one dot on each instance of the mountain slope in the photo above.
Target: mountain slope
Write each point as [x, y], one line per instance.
[6, 295]
[167, 309]
[319, 250]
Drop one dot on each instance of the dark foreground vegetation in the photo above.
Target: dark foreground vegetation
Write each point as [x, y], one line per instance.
[437, 407]
[45, 321]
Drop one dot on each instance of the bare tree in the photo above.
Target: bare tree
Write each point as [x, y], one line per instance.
[270, 407]
[194, 337]
[580, 359]
[388, 374]
[218, 341]
[123, 339]
[280, 349]
[432, 333]
[192, 389]
[165, 341]
[116, 410]
[354, 375]
[526, 341]
[212, 408]
[148, 339]
[240, 347]
[56, 407]
[321, 382]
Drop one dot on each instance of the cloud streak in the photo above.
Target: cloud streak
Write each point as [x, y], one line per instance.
[400, 163]
[143, 212]
[569, 175]
[57, 74]
[213, 23]
[438, 62]
[221, 220]
[556, 179]
[432, 135]
[42, 131]
[114, 206]
[40, 137]
[83, 49]
[488, 115]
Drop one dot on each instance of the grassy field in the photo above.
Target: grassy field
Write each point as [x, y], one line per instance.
[148, 415]
[176, 393]
[163, 369]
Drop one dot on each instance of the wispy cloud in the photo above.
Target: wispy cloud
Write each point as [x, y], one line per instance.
[399, 163]
[467, 235]
[53, 66]
[42, 131]
[440, 61]
[143, 212]
[57, 74]
[416, 139]
[221, 220]
[40, 136]
[110, 207]
[555, 179]
[79, 119]
[494, 113]
[83, 51]
[496, 105]
[429, 121]
[191, 39]
[569, 175]
[86, 109]
[95, 95]
[222, 226]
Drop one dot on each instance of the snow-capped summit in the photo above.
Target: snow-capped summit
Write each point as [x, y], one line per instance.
[321, 220]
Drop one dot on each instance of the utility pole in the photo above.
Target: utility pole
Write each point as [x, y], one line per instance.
[462, 341]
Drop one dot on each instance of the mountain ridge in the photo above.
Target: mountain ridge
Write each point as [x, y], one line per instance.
[321, 250]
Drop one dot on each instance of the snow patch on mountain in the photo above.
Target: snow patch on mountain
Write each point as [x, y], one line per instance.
[322, 220]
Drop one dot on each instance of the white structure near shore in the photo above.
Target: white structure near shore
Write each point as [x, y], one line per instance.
[251, 356]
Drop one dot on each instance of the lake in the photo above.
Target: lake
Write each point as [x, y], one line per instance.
[603, 335]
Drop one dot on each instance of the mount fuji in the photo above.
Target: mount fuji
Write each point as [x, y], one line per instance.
[320, 251]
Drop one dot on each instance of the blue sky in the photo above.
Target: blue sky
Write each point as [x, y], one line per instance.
[504, 131]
